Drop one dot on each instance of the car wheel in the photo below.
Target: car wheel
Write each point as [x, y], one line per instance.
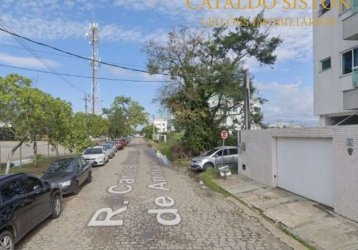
[89, 178]
[208, 165]
[7, 241]
[56, 207]
[76, 188]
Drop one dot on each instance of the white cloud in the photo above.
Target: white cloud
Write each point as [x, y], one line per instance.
[27, 62]
[287, 102]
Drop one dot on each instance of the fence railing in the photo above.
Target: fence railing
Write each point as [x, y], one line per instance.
[355, 77]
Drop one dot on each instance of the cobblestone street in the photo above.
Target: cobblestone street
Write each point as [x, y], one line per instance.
[138, 202]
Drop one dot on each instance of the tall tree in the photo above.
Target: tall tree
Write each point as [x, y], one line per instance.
[203, 67]
[124, 116]
[21, 107]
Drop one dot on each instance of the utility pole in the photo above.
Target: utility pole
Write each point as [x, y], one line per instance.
[86, 107]
[153, 128]
[94, 62]
[247, 99]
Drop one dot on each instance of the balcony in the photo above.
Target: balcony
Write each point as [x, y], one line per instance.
[350, 97]
[350, 27]
[355, 77]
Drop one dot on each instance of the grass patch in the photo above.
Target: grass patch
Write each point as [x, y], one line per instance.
[182, 163]
[164, 148]
[305, 243]
[42, 165]
[208, 178]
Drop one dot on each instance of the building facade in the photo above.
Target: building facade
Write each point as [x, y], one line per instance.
[235, 116]
[335, 56]
[161, 124]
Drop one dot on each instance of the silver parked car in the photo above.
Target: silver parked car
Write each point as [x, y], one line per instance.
[217, 157]
[109, 149]
[113, 143]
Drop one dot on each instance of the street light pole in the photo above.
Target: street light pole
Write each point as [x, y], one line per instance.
[245, 84]
[247, 99]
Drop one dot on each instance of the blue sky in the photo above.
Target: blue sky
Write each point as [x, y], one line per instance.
[124, 26]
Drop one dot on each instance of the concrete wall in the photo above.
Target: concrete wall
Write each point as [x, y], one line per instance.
[259, 157]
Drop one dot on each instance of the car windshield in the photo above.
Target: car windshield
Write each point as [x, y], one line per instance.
[62, 166]
[210, 152]
[107, 146]
[91, 151]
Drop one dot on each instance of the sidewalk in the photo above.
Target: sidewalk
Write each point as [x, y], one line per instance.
[314, 223]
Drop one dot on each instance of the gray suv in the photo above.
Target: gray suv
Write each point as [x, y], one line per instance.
[217, 157]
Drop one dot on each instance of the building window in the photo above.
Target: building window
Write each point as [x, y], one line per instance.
[326, 64]
[345, 5]
[234, 110]
[349, 61]
[323, 8]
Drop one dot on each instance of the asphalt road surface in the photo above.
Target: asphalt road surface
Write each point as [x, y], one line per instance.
[138, 202]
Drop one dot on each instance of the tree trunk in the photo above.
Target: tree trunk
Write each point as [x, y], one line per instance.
[54, 145]
[35, 151]
[9, 158]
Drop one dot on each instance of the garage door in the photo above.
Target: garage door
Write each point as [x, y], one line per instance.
[305, 167]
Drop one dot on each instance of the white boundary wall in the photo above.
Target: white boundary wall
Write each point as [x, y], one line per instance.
[259, 157]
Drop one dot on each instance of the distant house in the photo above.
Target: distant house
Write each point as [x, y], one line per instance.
[161, 124]
[235, 116]
[233, 120]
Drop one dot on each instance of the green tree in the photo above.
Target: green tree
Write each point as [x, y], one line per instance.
[124, 116]
[147, 131]
[203, 67]
[78, 137]
[21, 107]
[97, 126]
[57, 121]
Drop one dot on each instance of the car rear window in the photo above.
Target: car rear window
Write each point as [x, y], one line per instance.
[90, 151]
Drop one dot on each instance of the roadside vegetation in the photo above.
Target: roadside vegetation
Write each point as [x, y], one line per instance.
[29, 115]
[203, 70]
[38, 168]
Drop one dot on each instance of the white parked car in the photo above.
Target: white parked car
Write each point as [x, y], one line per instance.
[109, 149]
[96, 156]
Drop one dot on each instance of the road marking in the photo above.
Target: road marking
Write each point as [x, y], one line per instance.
[128, 177]
[163, 201]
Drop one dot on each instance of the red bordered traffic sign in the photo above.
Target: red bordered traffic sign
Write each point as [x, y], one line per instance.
[224, 134]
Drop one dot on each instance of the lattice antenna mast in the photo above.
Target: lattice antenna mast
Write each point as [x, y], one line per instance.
[94, 61]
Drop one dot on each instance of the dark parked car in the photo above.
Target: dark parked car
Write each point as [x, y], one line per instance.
[26, 201]
[69, 174]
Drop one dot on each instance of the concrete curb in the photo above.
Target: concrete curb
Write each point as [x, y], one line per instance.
[269, 226]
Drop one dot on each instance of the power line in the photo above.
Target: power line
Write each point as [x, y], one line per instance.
[79, 56]
[106, 63]
[2, 24]
[79, 76]
[57, 54]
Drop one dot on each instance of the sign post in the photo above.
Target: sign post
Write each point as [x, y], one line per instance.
[224, 135]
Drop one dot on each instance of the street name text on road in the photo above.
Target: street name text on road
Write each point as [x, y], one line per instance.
[128, 177]
[163, 201]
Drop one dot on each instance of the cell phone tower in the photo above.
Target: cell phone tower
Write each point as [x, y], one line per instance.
[94, 61]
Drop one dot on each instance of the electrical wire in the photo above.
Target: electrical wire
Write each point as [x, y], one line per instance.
[78, 56]
[2, 24]
[101, 62]
[57, 54]
[80, 76]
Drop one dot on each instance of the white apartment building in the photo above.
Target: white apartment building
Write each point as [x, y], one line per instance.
[335, 56]
[235, 115]
[161, 124]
